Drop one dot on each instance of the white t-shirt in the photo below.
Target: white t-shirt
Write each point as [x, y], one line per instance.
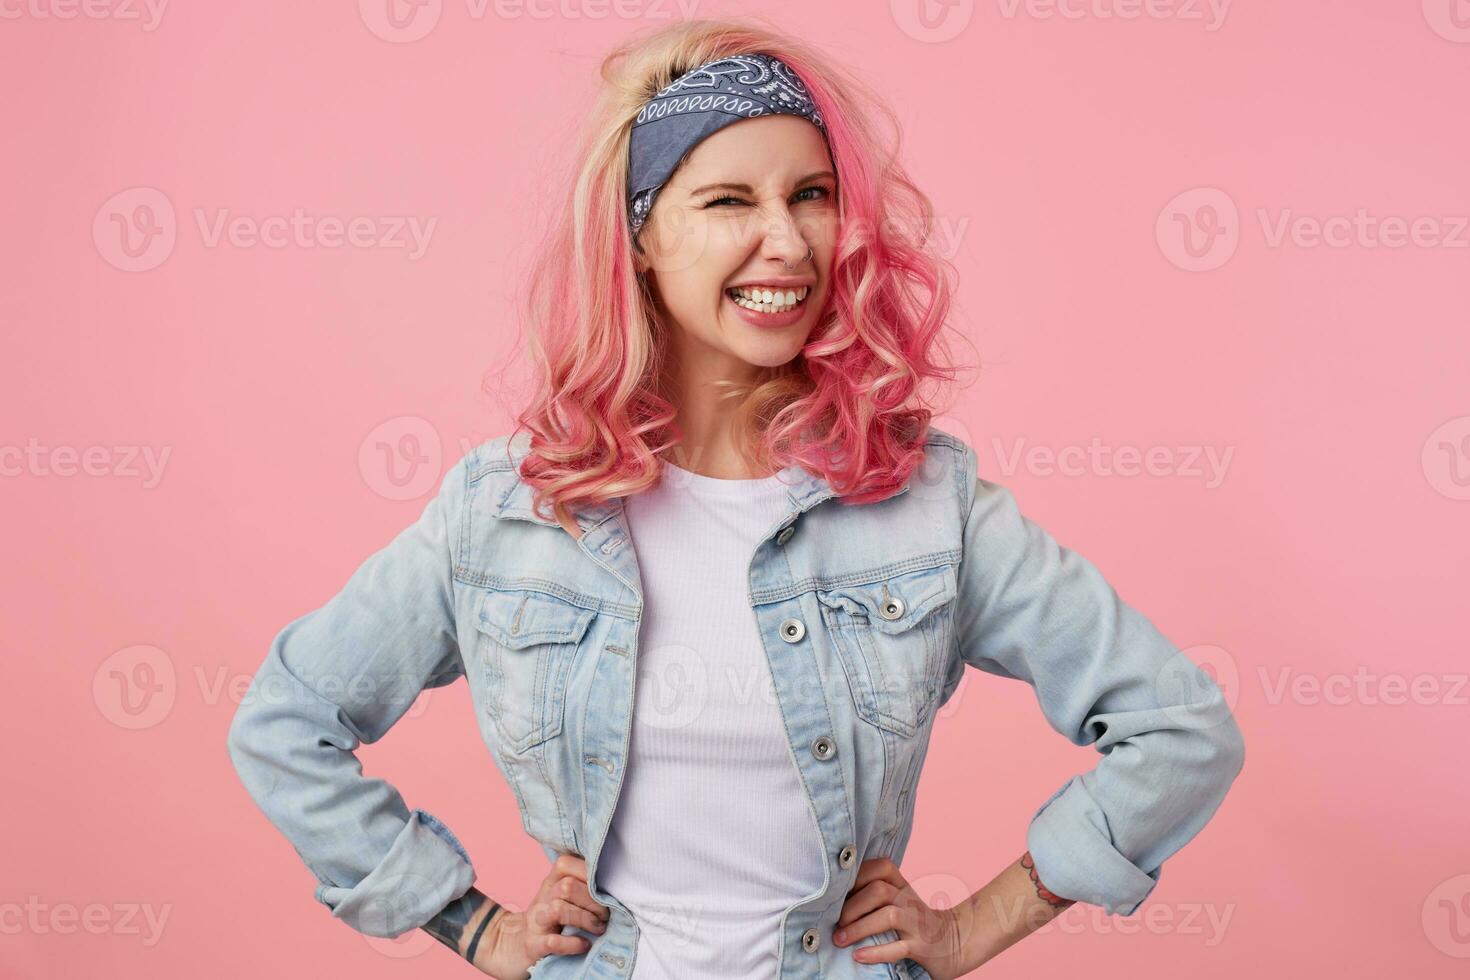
[713, 837]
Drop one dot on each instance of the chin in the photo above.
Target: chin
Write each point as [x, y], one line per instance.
[769, 354]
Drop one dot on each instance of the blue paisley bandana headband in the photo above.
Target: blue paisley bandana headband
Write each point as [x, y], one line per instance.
[698, 103]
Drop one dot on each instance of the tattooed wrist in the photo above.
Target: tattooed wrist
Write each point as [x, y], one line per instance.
[450, 924]
[1045, 894]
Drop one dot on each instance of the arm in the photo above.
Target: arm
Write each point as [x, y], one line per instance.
[462, 924]
[341, 675]
[1033, 610]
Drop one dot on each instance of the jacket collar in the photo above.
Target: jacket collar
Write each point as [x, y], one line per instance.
[805, 490]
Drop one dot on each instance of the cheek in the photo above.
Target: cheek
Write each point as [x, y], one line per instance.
[679, 242]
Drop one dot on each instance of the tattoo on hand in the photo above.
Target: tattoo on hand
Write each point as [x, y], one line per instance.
[449, 925]
[1051, 898]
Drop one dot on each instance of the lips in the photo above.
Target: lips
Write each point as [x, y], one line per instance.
[769, 315]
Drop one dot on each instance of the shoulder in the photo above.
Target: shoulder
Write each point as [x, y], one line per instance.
[952, 461]
[498, 455]
[990, 514]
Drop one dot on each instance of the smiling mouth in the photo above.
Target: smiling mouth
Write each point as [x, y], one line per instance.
[769, 300]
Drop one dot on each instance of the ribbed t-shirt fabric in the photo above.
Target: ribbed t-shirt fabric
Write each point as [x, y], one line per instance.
[713, 837]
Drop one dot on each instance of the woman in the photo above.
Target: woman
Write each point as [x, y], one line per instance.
[708, 609]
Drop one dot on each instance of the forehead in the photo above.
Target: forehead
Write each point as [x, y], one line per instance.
[766, 149]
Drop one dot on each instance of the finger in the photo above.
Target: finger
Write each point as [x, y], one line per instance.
[571, 914]
[883, 952]
[878, 869]
[575, 890]
[880, 920]
[873, 896]
[568, 864]
[555, 944]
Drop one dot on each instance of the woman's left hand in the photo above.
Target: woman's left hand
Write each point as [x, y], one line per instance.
[881, 899]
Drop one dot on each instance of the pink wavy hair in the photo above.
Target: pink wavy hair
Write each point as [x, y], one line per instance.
[847, 408]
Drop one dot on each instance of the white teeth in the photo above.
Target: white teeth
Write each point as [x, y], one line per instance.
[766, 300]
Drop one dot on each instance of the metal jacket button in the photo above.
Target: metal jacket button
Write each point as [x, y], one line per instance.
[892, 608]
[793, 630]
[811, 939]
[786, 534]
[846, 856]
[824, 748]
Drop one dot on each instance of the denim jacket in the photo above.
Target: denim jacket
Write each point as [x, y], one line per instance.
[868, 614]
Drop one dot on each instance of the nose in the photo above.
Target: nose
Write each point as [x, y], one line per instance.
[783, 239]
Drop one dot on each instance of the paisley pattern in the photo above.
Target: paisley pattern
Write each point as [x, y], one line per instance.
[701, 102]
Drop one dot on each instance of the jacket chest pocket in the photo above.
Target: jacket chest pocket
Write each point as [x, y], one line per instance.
[891, 636]
[528, 641]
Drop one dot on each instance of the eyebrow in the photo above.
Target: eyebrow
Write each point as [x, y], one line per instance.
[747, 189]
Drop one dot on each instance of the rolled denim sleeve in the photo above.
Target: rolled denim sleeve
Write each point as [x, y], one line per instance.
[1033, 610]
[342, 675]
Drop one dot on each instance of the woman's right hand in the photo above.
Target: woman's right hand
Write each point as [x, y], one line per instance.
[515, 941]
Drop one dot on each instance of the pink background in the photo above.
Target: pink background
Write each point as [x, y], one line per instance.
[1330, 551]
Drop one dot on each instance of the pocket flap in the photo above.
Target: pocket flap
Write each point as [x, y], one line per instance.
[521, 618]
[920, 593]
